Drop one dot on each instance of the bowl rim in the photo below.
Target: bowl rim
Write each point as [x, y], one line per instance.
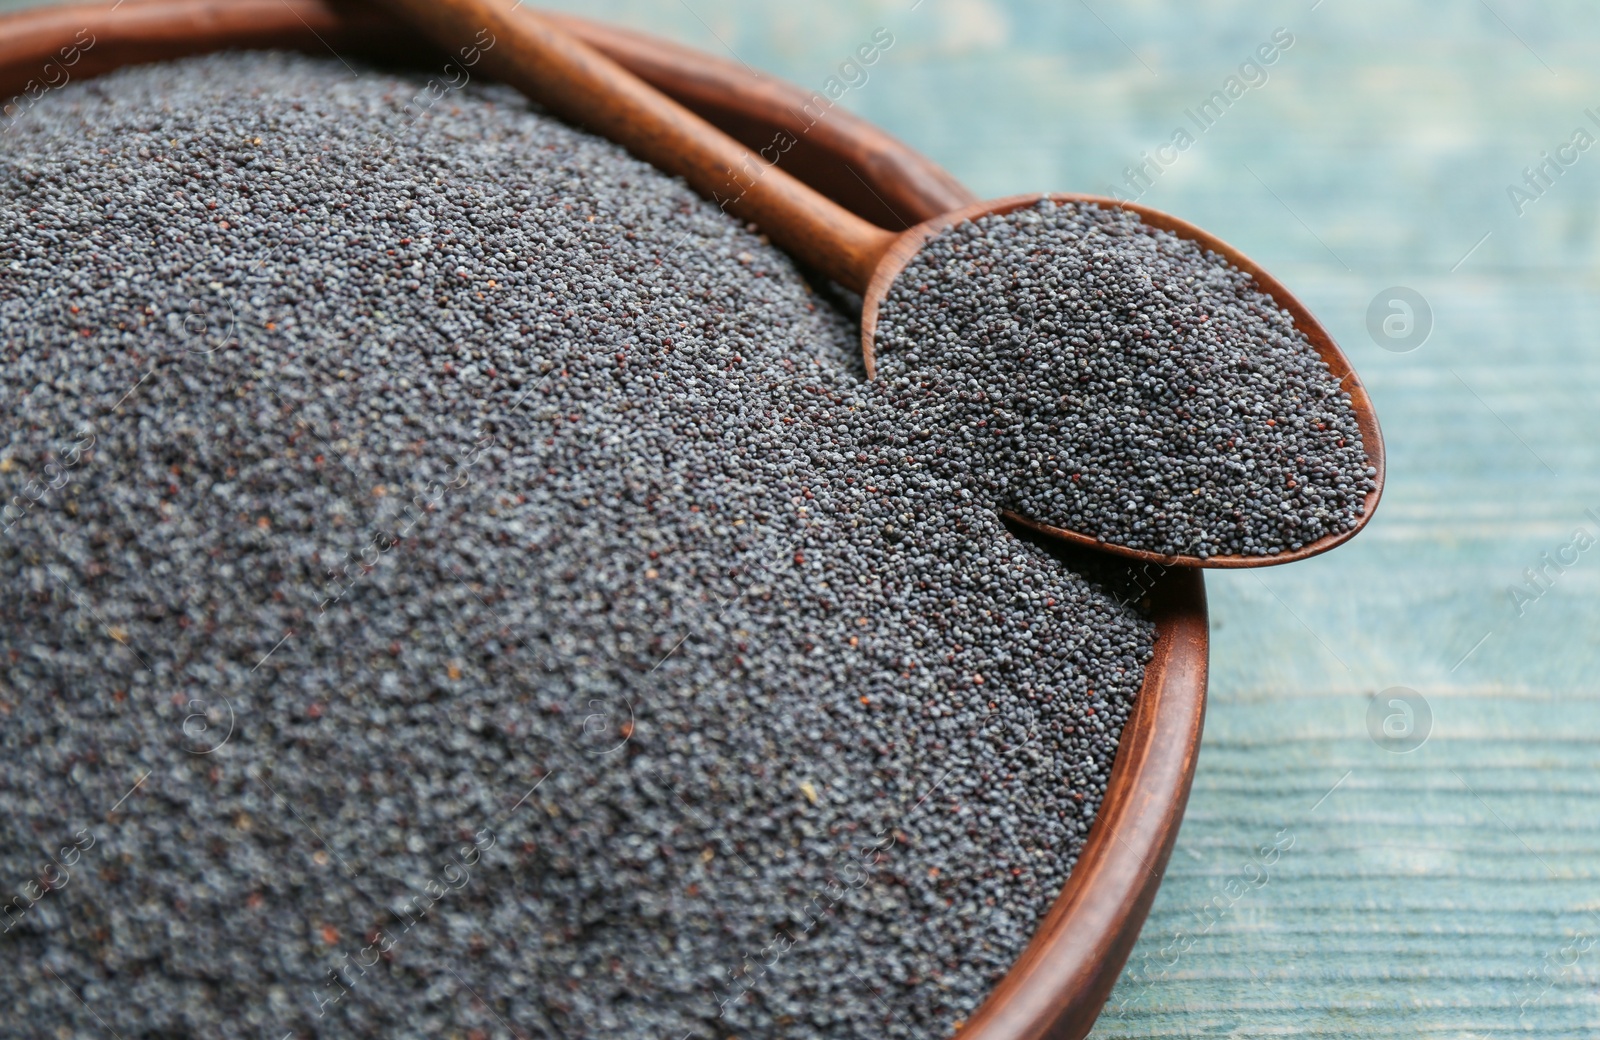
[1062, 979]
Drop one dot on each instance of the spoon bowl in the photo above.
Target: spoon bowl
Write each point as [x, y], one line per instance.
[905, 247]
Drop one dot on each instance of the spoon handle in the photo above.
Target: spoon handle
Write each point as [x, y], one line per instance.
[520, 47]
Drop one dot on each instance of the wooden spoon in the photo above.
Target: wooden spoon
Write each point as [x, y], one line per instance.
[530, 52]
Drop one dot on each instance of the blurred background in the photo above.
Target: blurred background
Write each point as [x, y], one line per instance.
[1394, 827]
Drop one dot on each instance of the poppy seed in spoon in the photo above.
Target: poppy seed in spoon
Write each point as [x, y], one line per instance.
[1118, 381]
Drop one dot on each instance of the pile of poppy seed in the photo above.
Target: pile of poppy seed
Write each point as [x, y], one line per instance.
[456, 582]
[1110, 378]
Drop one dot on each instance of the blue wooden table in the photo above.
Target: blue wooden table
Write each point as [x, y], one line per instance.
[1451, 890]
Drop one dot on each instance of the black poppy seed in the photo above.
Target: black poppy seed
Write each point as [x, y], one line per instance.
[1112, 378]
[449, 612]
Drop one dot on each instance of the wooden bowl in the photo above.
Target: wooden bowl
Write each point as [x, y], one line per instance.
[1059, 984]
